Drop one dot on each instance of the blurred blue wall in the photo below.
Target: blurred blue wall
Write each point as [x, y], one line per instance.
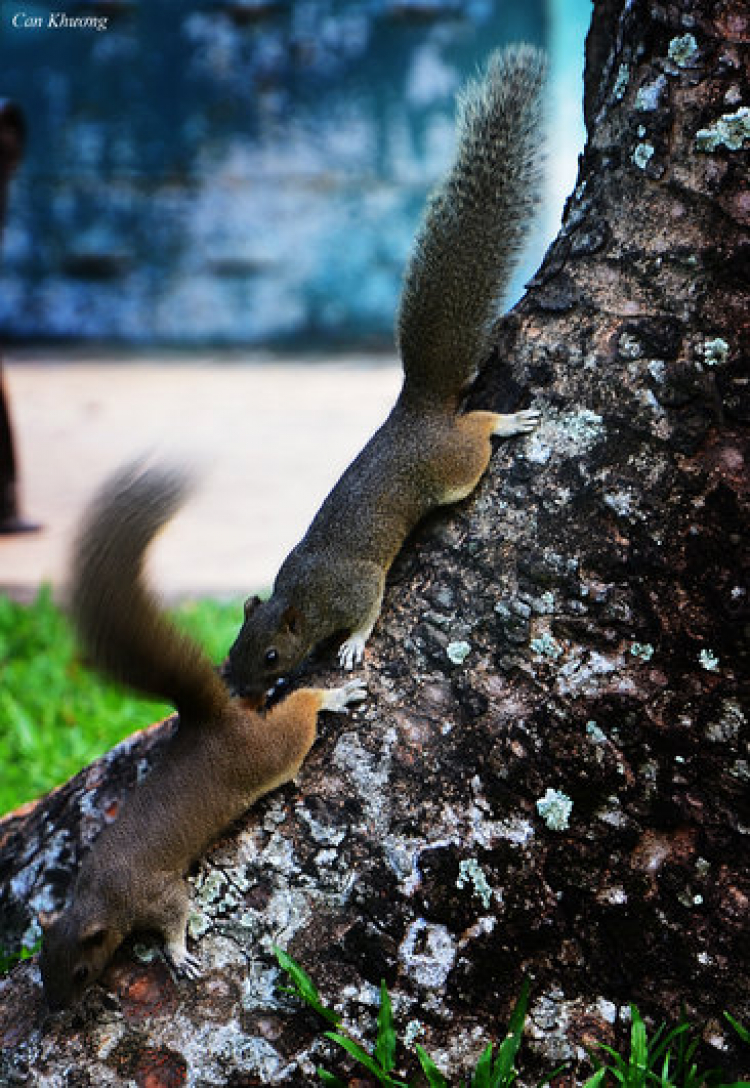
[243, 171]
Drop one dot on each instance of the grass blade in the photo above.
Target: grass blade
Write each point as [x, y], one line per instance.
[365, 1059]
[504, 1073]
[596, 1080]
[385, 1047]
[304, 986]
[483, 1071]
[743, 1032]
[435, 1078]
[329, 1079]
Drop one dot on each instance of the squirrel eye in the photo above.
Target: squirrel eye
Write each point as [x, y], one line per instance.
[272, 656]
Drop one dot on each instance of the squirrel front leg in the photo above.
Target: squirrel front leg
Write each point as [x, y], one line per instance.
[290, 727]
[368, 584]
[303, 706]
[165, 908]
[182, 962]
[466, 451]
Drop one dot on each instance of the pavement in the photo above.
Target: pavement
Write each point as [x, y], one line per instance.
[267, 435]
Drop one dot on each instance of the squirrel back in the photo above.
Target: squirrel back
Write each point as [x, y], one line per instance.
[428, 452]
[222, 757]
[473, 228]
[118, 620]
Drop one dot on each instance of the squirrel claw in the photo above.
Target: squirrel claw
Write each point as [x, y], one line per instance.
[351, 652]
[517, 423]
[338, 699]
[183, 964]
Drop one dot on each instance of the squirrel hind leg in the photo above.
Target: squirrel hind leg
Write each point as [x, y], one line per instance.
[523, 422]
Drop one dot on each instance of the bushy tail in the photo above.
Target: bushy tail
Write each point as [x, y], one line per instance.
[119, 621]
[473, 227]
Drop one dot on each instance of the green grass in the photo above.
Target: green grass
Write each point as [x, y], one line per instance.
[665, 1059]
[56, 715]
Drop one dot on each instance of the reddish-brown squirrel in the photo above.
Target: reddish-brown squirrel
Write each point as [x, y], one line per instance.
[428, 452]
[222, 757]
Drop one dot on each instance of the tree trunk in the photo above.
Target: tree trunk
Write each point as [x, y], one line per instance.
[579, 626]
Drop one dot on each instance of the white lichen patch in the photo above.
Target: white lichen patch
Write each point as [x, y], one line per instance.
[615, 895]
[369, 776]
[32, 865]
[612, 814]
[545, 645]
[621, 82]
[555, 809]
[106, 1037]
[545, 604]
[588, 673]
[260, 985]
[740, 769]
[470, 871]
[568, 434]
[402, 858]
[549, 1022]
[233, 1049]
[629, 346]
[210, 888]
[323, 834]
[621, 503]
[458, 652]
[708, 660]
[412, 1030]
[642, 155]
[728, 725]
[649, 95]
[199, 924]
[683, 51]
[593, 731]
[657, 368]
[428, 953]
[731, 130]
[515, 830]
[644, 651]
[715, 352]
[287, 911]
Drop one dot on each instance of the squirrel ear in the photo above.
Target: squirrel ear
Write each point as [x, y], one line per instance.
[47, 918]
[94, 935]
[250, 605]
[291, 620]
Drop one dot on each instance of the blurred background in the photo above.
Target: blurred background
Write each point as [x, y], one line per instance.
[208, 207]
[204, 240]
[238, 172]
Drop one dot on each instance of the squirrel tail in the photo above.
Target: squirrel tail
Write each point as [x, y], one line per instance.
[473, 227]
[119, 621]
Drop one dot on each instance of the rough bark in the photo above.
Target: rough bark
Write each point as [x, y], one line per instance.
[580, 625]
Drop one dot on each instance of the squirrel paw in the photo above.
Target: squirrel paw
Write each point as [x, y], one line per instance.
[338, 699]
[183, 964]
[517, 423]
[351, 651]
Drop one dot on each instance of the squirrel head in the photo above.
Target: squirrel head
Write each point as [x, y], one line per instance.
[270, 644]
[75, 950]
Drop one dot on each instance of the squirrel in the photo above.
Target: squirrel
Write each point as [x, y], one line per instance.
[222, 757]
[428, 452]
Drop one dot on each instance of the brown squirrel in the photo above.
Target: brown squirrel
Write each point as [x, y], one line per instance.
[427, 452]
[222, 757]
